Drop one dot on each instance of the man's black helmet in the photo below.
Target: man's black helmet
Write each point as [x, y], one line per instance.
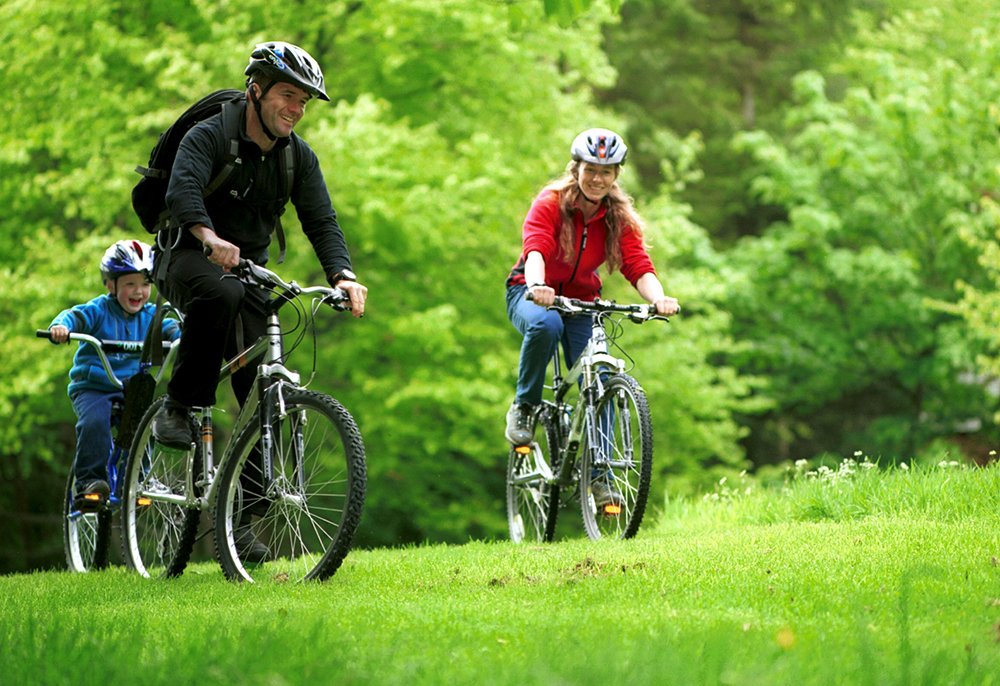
[286, 62]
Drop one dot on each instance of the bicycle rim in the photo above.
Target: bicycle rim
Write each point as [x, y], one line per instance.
[617, 459]
[532, 498]
[86, 535]
[157, 536]
[307, 514]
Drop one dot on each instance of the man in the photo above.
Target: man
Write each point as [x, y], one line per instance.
[237, 220]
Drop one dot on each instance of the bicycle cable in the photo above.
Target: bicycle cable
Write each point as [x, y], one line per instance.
[613, 332]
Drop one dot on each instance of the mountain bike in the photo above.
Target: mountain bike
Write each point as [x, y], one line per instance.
[87, 533]
[599, 448]
[291, 476]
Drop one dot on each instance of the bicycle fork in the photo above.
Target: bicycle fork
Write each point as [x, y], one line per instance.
[291, 454]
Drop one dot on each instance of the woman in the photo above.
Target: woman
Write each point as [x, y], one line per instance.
[576, 224]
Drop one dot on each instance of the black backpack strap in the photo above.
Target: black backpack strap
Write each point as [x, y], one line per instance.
[230, 124]
[287, 161]
[152, 346]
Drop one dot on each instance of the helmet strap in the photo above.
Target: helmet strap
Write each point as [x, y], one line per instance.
[256, 106]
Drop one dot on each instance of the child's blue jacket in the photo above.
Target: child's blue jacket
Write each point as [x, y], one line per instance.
[104, 318]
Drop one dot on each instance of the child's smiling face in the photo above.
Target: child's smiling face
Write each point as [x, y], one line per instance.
[131, 291]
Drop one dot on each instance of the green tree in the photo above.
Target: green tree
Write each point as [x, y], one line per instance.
[838, 300]
[718, 68]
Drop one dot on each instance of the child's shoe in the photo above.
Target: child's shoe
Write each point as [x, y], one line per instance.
[91, 496]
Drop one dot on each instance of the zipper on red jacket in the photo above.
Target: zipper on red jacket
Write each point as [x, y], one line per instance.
[579, 256]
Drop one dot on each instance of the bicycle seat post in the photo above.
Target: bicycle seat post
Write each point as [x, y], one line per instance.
[207, 431]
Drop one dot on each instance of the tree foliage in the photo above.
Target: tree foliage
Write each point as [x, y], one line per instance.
[717, 68]
[839, 300]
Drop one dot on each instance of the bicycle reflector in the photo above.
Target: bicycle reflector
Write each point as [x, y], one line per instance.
[522, 449]
[143, 502]
[92, 497]
[613, 509]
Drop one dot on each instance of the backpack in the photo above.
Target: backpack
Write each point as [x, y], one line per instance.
[149, 194]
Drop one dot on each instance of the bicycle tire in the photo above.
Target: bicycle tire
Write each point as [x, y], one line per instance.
[618, 454]
[309, 514]
[86, 535]
[532, 495]
[157, 536]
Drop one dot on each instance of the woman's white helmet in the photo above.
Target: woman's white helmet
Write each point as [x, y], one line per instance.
[599, 146]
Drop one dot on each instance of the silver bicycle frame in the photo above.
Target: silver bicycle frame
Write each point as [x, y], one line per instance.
[271, 377]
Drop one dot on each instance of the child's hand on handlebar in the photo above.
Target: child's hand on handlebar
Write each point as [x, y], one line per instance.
[58, 334]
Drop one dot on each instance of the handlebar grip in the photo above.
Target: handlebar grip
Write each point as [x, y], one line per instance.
[43, 333]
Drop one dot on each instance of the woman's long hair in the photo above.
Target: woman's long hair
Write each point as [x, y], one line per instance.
[621, 215]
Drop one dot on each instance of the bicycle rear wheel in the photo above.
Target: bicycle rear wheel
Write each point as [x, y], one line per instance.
[532, 497]
[306, 514]
[86, 535]
[158, 525]
[617, 461]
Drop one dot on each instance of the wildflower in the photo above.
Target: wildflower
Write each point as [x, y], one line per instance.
[785, 638]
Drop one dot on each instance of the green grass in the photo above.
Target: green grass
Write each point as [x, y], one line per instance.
[873, 578]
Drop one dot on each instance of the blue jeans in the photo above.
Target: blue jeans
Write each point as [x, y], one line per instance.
[543, 330]
[93, 432]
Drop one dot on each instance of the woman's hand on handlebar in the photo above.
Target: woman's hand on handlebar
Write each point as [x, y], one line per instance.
[542, 295]
[666, 306]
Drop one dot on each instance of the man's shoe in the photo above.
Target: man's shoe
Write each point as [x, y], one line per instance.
[605, 494]
[91, 496]
[249, 547]
[520, 424]
[172, 427]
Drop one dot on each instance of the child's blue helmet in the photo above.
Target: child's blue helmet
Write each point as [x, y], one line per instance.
[126, 257]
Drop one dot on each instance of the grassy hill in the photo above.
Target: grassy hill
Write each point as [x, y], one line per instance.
[847, 576]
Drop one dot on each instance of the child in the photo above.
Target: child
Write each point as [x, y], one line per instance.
[121, 314]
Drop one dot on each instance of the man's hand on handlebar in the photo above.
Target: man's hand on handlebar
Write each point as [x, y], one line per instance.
[357, 295]
[221, 252]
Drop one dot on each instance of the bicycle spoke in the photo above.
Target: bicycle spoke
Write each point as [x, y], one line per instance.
[617, 462]
[312, 499]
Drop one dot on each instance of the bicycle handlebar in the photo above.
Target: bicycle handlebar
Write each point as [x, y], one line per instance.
[636, 312]
[108, 346]
[256, 275]
[102, 347]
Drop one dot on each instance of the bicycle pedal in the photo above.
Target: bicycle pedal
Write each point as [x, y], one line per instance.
[88, 502]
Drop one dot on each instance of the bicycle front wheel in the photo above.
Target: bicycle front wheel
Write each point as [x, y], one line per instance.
[532, 494]
[617, 460]
[297, 521]
[159, 523]
[86, 535]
